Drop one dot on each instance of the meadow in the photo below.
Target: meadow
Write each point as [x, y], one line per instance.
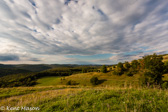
[83, 79]
[97, 99]
[115, 93]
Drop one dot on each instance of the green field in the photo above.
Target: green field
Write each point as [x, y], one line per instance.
[48, 81]
[114, 94]
[83, 79]
[93, 100]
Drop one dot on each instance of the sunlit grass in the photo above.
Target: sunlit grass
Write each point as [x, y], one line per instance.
[16, 91]
[165, 58]
[48, 81]
[83, 79]
[31, 99]
[97, 99]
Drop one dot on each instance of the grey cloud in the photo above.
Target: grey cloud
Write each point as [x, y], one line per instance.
[26, 15]
[32, 2]
[68, 1]
[6, 10]
[34, 59]
[9, 58]
[82, 62]
[57, 21]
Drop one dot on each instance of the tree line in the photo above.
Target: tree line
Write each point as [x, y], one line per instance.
[151, 69]
[29, 79]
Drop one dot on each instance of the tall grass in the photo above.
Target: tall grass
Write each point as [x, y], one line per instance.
[126, 100]
[16, 91]
[94, 100]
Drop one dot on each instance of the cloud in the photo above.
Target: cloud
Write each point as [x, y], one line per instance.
[9, 58]
[60, 28]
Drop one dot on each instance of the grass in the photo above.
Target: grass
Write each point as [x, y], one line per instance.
[83, 79]
[165, 58]
[94, 100]
[110, 101]
[33, 98]
[17, 91]
[48, 81]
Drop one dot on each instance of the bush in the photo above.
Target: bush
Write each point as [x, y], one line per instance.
[94, 80]
[70, 82]
[129, 73]
[165, 85]
[146, 78]
[118, 71]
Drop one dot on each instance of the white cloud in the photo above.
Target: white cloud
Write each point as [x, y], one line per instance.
[51, 28]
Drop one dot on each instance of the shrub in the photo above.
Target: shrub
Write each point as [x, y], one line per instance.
[94, 80]
[118, 71]
[165, 85]
[130, 73]
[70, 82]
[147, 79]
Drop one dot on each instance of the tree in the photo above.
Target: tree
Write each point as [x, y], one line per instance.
[135, 64]
[142, 64]
[166, 67]
[154, 70]
[120, 65]
[94, 80]
[127, 65]
[120, 69]
[104, 69]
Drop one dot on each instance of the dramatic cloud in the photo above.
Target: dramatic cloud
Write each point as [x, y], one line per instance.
[74, 31]
[9, 58]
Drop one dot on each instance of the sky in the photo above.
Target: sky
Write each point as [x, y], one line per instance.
[81, 31]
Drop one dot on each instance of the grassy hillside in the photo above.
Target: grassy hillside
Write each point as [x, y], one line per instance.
[165, 58]
[29, 79]
[83, 79]
[17, 91]
[93, 100]
[48, 81]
